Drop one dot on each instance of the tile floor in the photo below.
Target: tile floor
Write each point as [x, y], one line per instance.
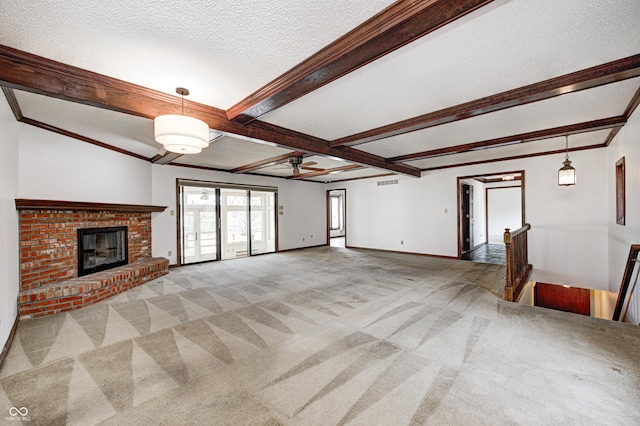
[338, 242]
[487, 253]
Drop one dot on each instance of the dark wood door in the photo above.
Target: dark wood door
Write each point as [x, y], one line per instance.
[466, 216]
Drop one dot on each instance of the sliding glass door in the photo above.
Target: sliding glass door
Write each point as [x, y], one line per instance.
[218, 222]
[263, 222]
[199, 225]
[235, 223]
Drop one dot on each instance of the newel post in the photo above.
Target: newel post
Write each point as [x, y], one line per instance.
[510, 266]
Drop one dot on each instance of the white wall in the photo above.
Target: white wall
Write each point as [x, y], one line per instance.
[55, 167]
[9, 131]
[568, 240]
[505, 211]
[304, 208]
[409, 216]
[627, 144]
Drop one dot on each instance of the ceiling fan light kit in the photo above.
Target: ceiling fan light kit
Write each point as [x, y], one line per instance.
[180, 133]
[296, 163]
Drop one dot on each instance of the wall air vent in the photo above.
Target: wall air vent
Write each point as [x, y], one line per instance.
[387, 182]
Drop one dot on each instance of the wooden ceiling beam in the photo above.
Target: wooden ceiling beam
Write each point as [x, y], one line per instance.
[630, 109]
[399, 24]
[587, 126]
[612, 134]
[10, 95]
[54, 129]
[514, 157]
[326, 171]
[495, 180]
[363, 177]
[165, 158]
[633, 104]
[31, 73]
[599, 75]
[261, 129]
[266, 162]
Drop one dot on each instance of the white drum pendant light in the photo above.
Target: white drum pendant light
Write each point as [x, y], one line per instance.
[179, 133]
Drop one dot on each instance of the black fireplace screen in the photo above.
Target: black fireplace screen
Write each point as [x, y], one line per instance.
[101, 248]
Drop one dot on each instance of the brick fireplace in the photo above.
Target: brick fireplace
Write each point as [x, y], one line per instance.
[49, 281]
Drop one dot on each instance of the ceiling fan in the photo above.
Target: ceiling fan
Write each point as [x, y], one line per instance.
[296, 164]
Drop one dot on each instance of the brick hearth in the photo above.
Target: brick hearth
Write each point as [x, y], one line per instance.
[49, 257]
[84, 291]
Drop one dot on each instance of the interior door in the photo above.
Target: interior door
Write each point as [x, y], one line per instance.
[466, 217]
[198, 225]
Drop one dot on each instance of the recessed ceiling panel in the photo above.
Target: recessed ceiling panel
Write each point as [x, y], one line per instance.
[321, 163]
[221, 50]
[527, 148]
[325, 162]
[502, 46]
[229, 152]
[351, 174]
[586, 105]
[134, 134]
[498, 176]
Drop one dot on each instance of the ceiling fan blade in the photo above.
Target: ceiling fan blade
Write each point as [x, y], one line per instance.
[308, 163]
[315, 169]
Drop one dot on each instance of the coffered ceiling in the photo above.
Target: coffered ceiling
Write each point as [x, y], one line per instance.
[358, 89]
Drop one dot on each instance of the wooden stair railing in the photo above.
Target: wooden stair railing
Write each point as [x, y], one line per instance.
[518, 267]
[623, 300]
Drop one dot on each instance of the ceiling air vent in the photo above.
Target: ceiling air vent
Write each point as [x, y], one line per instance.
[387, 182]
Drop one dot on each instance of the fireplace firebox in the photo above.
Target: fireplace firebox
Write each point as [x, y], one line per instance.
[101, 248]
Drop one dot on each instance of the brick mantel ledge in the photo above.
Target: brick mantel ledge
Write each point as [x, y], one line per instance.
[84, 291]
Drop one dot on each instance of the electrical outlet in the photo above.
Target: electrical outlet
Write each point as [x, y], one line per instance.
[302, 239]
[172, 212]
[401, 242]
[446, 210]
[169, 253]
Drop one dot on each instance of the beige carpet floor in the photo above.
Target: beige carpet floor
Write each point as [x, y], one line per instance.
[324, 336]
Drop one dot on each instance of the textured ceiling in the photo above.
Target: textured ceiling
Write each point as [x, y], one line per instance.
[221, 50]
[224, 51]
[120, 130]
[523, 149]
[503, 47]
[571, 108]
[228, 153]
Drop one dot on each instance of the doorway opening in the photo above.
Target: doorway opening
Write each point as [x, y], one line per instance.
[487, 204]
[219, 222]
[336, 217]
